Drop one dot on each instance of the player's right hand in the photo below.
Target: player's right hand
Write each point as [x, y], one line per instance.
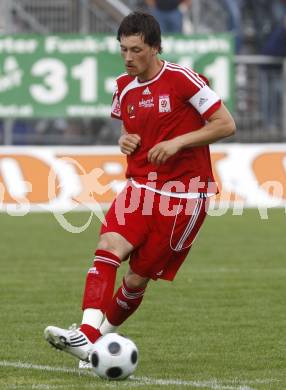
[129, 143]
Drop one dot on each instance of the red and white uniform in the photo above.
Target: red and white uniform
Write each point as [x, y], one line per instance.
[175, 102]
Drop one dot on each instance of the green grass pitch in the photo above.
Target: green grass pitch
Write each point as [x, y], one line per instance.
[220, 325]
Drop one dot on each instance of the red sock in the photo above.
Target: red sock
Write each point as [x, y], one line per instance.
[91, 333]
[100, 281]
[124, 303]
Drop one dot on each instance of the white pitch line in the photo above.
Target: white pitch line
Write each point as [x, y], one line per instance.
[143, 381]
[210, 385]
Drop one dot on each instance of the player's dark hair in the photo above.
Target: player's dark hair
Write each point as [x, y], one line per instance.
[144, 24]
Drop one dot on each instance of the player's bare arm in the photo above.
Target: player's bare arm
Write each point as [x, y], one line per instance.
[220, 125]
[128, 142]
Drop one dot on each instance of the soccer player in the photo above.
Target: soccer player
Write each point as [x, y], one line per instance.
[169, 117]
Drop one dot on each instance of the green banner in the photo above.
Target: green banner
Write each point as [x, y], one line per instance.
[74, 75]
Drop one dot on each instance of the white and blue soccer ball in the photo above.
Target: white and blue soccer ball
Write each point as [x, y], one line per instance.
[114, 357]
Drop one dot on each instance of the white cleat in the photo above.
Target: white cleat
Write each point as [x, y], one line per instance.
[71, 340]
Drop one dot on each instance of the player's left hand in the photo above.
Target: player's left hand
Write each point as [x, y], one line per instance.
[162, 151]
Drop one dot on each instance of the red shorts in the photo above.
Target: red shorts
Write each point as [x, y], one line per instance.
[161, 229]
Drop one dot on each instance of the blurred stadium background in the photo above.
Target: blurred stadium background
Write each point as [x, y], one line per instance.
[259, 102]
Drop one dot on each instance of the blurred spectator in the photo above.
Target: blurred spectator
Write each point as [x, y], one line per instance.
[275, 45]
[279, 10]
[270, 75]
[168, 13]
[233, 8]
[263, 19]
[22, 131]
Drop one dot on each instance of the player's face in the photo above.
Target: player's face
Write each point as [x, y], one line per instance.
[140, 59]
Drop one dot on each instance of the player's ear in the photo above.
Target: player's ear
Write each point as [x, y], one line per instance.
[154, 51]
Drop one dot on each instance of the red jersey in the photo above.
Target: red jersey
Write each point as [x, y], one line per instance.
[175, 102]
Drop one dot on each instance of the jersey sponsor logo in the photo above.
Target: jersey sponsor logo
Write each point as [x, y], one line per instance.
[148, 103]
[131, 110]
[146, 91]
[164, 103]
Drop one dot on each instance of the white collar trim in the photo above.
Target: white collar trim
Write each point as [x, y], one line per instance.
[135, 83]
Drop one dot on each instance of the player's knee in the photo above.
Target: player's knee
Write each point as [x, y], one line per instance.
[133, 280]
[106, 244]
[114, 243]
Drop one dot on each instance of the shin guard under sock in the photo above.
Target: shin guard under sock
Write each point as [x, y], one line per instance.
[100, 281]
[98, 291]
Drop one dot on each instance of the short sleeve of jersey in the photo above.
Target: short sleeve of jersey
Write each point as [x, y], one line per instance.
[194, 89]
[115, 108]
[121, 82]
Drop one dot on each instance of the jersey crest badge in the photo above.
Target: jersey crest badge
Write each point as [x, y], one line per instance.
[131, 110]
[164, 103]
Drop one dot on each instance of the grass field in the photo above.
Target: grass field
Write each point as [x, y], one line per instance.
[220, 325]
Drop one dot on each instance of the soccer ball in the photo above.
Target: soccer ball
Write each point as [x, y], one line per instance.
[114, 357]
